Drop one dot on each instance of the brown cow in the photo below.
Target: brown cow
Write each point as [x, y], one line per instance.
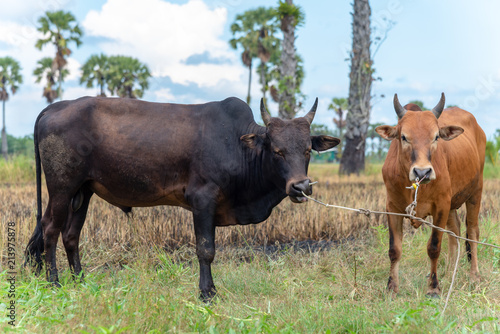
[452, 173]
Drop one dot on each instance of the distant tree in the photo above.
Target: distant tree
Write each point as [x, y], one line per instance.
[10, 78]
[361, 77]
[339, 105]
[290, 17]
[45, 71]
[254, 32]
[420, 104]
[493, 149]
[59, 29]
[321, 129]
[95, 70]
[128, 77]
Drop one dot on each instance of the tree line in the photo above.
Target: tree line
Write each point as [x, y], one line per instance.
[265, 36]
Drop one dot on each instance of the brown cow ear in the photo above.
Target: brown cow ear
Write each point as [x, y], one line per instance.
[323, 143]
[387, 132]
[251, 140]
[450, 132]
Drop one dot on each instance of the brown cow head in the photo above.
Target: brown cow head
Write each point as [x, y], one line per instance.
[418, 134]
[286, 147]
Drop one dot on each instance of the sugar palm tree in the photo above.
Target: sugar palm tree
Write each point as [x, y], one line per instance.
[59, 29]
[10, 78]
[128, 77]
[96, 70]
[290, 16]
[361, 77]
[45, 72]
[254, 31]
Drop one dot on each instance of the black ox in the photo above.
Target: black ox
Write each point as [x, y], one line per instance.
[212, 159]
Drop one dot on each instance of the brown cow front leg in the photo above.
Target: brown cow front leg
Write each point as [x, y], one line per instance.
[433, 250]
[204, 229]
[395, 249]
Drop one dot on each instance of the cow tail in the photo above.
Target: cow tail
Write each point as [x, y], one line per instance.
[35, 247]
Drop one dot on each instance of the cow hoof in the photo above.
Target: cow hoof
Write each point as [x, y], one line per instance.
[433, 295]
[56, 284]
[392, 286]
[208, 297]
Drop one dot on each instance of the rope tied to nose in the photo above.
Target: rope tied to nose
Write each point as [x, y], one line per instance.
[410, 209]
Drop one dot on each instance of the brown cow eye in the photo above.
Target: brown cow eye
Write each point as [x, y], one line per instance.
[437, 137]
[403, 138]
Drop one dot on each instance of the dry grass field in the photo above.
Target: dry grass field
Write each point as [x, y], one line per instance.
[346, 280]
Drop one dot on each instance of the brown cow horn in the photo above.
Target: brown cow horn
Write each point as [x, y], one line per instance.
[266, 117]
[310, 115]
[400, 111]
[438, 109]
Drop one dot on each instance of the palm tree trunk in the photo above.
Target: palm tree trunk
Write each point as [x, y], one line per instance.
[4, 135]
[263, 80]
[358, 117]
[288, 68]
[249, 81]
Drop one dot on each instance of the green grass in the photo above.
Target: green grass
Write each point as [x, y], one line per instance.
[341, 290]
[18, 169]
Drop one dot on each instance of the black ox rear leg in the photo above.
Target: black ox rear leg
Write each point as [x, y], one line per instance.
[52, 223]
[204, 228]
[73, 227]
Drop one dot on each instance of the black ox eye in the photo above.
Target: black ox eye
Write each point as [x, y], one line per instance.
[279, 153]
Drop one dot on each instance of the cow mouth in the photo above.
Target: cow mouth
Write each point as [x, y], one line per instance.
[298, 199]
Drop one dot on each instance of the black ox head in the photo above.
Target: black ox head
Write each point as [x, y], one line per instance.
[286, 147]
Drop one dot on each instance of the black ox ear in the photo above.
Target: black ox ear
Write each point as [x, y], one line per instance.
[323, 143]
[252, 140]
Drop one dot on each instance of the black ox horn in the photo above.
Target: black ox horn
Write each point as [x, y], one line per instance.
[438, 109]
[266, 117]
[400, 111]
[310, 115]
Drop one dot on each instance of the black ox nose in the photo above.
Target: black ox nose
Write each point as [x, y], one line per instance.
[420, 173]
[302, 186]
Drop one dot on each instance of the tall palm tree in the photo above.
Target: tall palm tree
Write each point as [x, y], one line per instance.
[290, 16]
[254, 31]
[45, 71]
[128, 77]
[361, 76]
[96, 69]
[10, 77]
[60, 29]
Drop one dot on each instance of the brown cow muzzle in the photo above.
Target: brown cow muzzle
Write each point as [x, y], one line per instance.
[425, 174]
[295, 189]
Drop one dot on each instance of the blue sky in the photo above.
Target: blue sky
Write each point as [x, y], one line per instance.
[448, 46]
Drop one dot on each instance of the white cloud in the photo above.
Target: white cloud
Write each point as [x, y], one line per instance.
[164, 35]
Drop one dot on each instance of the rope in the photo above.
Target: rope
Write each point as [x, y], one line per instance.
[410, 214]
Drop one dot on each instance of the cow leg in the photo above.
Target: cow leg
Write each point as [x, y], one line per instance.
[453, 225]
[395, 249]
[204, 229]
[433, 250]
[52, 225]
[73, 228]
[472, 222]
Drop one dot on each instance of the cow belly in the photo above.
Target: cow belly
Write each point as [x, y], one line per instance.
[133, 198]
